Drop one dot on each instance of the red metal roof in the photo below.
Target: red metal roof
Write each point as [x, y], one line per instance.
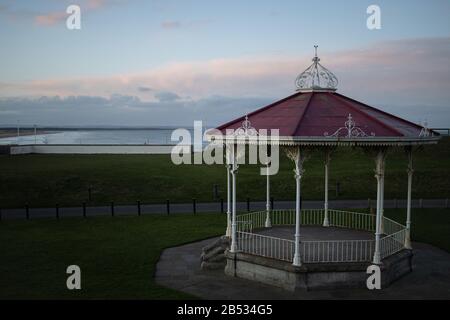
[324, 113]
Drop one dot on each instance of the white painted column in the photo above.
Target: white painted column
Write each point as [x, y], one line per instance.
[296, 155]
[382, 203]
[233, 222]
[326, 221]
[379, 175]
[228, 231]
[408, 203]
[268, 223]
[298, 177]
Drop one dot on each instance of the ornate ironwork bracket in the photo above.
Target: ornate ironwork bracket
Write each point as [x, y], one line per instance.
[425, 132]
[350, 130]
[294, 154]
[246, 129]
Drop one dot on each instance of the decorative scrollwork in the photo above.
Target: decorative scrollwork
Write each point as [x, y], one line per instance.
[425, 132]
[316, 76]
[294, 154]
[350, 130]
[246, 129]
[234, 154]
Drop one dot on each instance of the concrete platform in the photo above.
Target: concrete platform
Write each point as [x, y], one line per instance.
[314, 274]
[179, 268]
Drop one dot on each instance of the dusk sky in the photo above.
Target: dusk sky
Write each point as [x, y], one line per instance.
[157, 63]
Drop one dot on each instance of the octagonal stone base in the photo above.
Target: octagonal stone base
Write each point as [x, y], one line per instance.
[314, 276]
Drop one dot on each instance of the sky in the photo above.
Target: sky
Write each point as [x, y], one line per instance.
[168, 63]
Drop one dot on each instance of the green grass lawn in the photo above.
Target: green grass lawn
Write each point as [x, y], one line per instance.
[428, 225]
[118, 255]
[44, 180]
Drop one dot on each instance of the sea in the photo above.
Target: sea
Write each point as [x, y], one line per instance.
[159, 136]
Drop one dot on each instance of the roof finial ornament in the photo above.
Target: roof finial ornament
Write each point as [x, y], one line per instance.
[316, 77]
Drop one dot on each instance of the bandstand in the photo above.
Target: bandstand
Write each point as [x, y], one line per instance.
[307, 249]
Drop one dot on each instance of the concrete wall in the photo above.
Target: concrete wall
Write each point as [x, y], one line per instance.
[284, 275]
[91, 149]
[5, 149]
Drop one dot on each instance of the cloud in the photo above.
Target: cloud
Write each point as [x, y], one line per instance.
[413, 71]
[397, 72]
[170, 24]
[54, 17]
[144, 89]
[411, 76]
[95, 4]
[166, 96]
[132, 111]
[122, 110]
[50, 19]
[14, 15]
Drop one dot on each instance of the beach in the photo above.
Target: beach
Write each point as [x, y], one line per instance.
[9, 133]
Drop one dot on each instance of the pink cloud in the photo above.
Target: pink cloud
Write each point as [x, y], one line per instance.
[53, 18]
[94, 4]
[401, 72]
[50, 19]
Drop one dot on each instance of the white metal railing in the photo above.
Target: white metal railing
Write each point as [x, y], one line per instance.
[287, 217]
[391, 226]
[352, 220]
[265, 246]
[337, 251]
[312, 217]
[318, 251]
[337, 218]
[392, 243]
[255, 220]
[282, 217]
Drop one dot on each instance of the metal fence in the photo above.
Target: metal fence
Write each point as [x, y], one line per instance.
[337, 218]
[265, 246]
[352, 220]
[250, 221]
[392, 243]
[337, 251]
[320, 251]
[442, 131]
[390, 226]
[394, 240]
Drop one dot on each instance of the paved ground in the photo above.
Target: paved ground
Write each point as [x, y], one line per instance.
[430, 279]
[205, 207]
